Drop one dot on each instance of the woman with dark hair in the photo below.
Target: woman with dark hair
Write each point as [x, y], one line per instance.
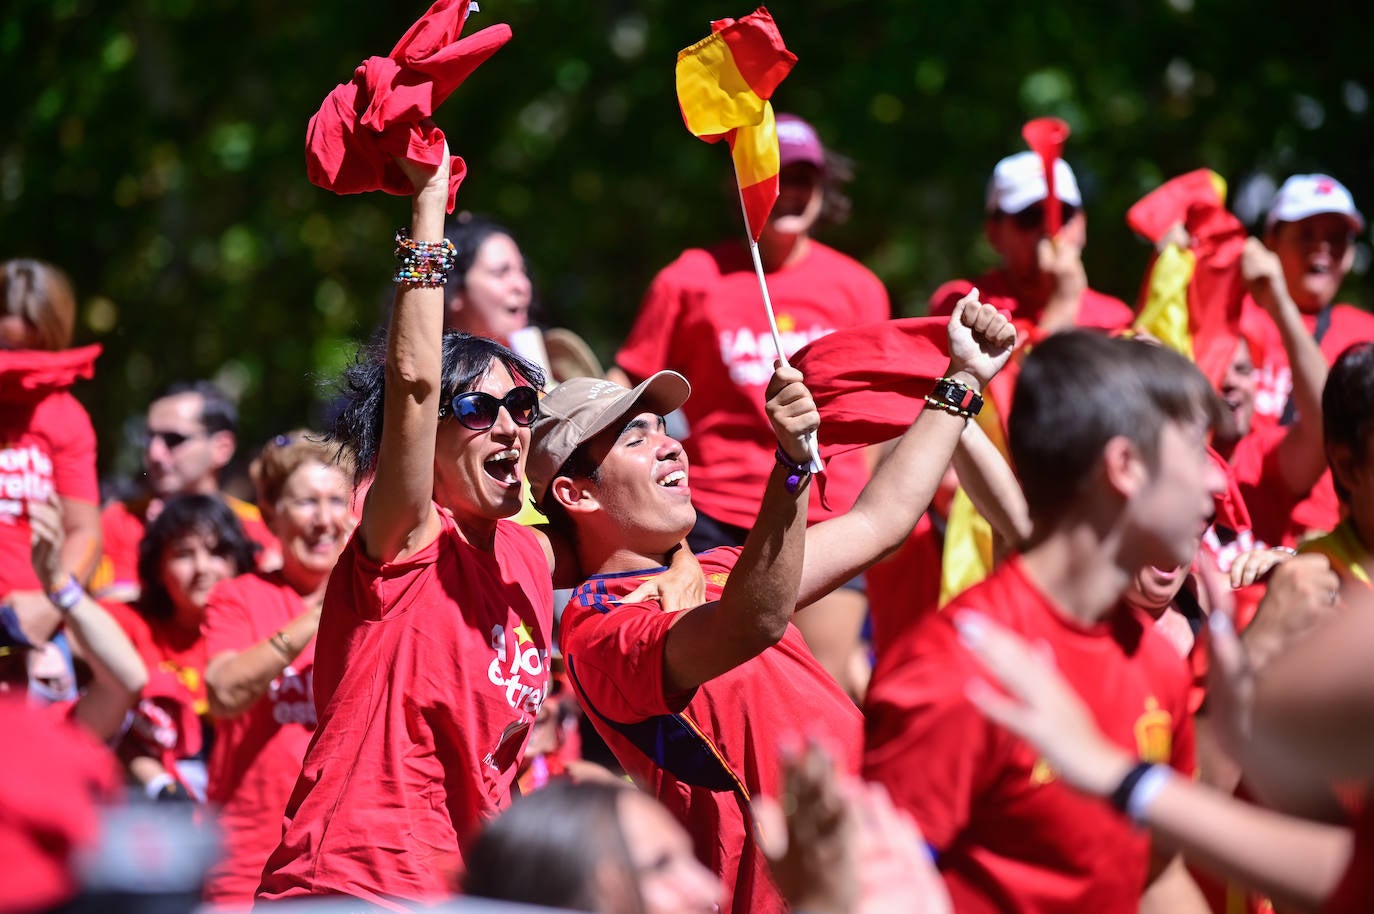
[195, 542]
[432, 656]
[489, 290]
[47, 444]
[606, 848]
[260, 638]
[490, 294]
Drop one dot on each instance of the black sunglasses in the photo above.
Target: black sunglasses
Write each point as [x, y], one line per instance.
[172, 440]
[1033, 217]
[477, 410]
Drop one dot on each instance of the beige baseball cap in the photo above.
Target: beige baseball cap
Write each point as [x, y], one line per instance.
[579, 409]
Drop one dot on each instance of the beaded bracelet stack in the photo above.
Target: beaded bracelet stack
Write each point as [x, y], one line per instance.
[423, 263]
[797, 473]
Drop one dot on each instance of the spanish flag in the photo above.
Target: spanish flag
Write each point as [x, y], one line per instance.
[724, 82]
[1191, 299]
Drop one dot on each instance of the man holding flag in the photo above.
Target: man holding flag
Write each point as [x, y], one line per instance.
[696, 704]
[704, 314]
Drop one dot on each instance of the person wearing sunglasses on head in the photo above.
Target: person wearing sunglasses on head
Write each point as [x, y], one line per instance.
[433, 648]
[190, 435]
[1040, 282]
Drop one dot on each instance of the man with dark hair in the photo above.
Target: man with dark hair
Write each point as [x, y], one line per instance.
[1109, 440]
[695, 703]
[190, 436]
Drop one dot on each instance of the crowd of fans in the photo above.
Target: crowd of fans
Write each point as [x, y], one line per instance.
[516, 628]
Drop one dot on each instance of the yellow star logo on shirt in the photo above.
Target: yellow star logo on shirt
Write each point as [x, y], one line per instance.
[522, 633]
[786, 323]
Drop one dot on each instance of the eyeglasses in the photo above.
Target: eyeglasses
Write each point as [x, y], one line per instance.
[477, 410]
[172, 440]
[1033, 217]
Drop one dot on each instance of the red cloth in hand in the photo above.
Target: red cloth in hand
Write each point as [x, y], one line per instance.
[354, 139]
[869, 382]
[29, 375]
[1217, 288]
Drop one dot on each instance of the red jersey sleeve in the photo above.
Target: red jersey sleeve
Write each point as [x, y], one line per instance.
[923, 740]
[73, 458]
[228, 624]
[616, 660]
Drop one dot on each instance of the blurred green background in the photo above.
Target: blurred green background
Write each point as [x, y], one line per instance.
[154, 151]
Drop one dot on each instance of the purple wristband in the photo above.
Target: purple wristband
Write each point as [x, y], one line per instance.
[68, 595]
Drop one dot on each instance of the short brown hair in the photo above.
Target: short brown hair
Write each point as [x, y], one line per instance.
[285, 454]
[1079, 389]
[42, 295]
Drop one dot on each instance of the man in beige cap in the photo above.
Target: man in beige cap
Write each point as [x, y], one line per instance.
[695, 703]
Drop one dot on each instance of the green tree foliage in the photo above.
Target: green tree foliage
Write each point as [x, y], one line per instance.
[154, 150]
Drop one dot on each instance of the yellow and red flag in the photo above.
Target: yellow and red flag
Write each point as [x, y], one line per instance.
[724, 82]
[1191, 300]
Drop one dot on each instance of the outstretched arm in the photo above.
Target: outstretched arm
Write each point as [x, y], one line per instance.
[991, 485]
[756, 605]
[901, 488]
[1302, 457]
[399, 517]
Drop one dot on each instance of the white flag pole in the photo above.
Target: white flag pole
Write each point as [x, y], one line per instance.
[809, 438]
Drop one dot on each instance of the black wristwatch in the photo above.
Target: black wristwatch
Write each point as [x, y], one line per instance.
[955, 397]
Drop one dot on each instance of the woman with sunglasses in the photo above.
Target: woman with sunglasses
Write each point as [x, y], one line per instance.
[432, 658]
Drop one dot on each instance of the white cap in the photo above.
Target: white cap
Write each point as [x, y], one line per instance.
[1018, 181]
[1311, 195]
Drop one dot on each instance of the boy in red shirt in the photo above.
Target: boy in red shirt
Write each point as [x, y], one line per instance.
[1109, 439]
[696, 703]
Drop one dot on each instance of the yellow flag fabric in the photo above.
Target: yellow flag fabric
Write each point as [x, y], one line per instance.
[714, 96]
[724, 82]
[1165, 313]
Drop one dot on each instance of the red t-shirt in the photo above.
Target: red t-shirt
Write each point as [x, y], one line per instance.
[428, 675]
[45, 447]
[53, 776]
[703, 316]
[1009, 835]
[994, 288]
[257, 755]
[706, 752]
[1279, 517]
[1273, 376]
[121, 527]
